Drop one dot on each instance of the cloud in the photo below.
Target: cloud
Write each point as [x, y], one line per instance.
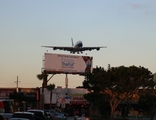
[148, 7]
[134, 5]
[143, 5]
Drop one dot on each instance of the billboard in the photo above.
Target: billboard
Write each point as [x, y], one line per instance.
[71, 64]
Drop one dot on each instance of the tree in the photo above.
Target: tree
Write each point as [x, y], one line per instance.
[22, 98]
[50, 88]
[147, 103]
[118, 84]
[43, 76]
[18, 97]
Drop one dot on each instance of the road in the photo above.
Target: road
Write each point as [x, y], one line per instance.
[72, 118]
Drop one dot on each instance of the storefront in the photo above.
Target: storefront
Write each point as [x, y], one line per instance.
[4, 99]
[7, 104]
[68, 100]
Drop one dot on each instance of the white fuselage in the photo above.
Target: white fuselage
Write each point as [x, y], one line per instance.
[78, 44]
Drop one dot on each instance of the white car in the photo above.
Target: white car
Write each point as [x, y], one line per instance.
[19, 119]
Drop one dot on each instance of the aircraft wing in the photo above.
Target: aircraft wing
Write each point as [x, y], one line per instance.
[60, 48]
[92, 48]
[75, 49]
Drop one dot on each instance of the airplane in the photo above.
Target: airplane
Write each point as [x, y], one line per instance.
[77, 48]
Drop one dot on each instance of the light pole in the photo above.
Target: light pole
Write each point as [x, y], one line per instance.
[17, 85]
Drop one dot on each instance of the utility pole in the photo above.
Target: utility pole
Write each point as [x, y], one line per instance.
[17, 84]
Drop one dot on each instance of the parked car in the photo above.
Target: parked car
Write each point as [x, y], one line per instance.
[61, 116]
[26, 115]
[6, 116]
[48, 115]
[1, 117]
[65, 114]
[57, 115]
[53, 114]
[18, 119]
[40, 114]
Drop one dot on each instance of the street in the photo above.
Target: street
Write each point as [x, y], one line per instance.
[70, 118]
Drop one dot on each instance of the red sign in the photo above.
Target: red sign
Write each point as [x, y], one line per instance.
[37, 94]
[78, 98]
[1, 104]
[78, 102]
[63, 100]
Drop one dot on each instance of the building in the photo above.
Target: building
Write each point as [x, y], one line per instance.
[7, 104]
[68, 100]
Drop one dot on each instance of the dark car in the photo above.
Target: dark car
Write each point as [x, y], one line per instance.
[6, 116]
[57, 115]
[1, 117]
[40, 114]
[53, 114]
[26, 115]
[47, 115]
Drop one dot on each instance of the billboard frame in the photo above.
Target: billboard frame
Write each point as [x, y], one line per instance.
[84, 62]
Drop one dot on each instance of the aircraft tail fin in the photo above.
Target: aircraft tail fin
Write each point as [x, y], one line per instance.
[72, 41]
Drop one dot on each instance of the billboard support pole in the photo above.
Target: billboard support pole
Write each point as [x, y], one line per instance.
[66, 83]
[50, 77]
[66, 80]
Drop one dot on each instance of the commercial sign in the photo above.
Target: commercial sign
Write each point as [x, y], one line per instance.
[4, 93]
[72, 64]
[78, 100]
[75, 96]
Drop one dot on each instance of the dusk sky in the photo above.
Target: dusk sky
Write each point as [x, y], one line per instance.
[126, 27]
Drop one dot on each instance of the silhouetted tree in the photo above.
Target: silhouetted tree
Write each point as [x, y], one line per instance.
[118, 84]
[23, 97]
[43, 76]
[147, 103]
[50, 88]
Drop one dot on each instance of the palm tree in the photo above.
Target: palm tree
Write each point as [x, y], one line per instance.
[43, 76]
[50, 88]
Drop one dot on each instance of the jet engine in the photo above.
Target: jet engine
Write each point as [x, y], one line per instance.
[97, 49]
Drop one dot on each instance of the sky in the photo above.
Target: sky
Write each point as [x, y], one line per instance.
[126, 27]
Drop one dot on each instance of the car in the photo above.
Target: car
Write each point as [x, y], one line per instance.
[77, 117]
[57, 115]
[65, 114]
[61, 116]
[38, 113]
[1, 117]
[6, 116]
[19, 119]
[47, 114]
[26, 115]
[53, 114]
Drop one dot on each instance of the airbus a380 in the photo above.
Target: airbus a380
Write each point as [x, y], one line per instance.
[77, 48]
